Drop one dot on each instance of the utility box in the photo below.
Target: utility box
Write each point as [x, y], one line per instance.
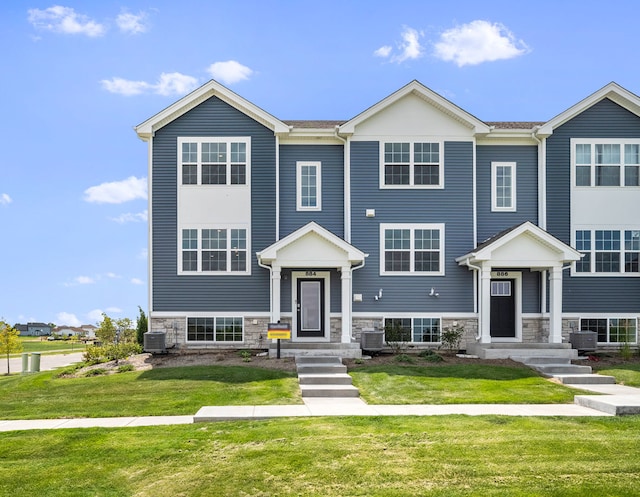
[155, 342]
[584, 341]
[372, 340]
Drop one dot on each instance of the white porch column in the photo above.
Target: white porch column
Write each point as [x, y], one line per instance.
[346, 304]
[485, 303]
[275, 293]
[555, 305]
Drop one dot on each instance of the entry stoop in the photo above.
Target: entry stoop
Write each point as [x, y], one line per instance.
[324, 376]
[296, 349]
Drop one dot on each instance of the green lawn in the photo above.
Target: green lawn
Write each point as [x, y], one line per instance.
[31, 344]
[625, 373]
[162, 391]
[357, 456]
[457, 384]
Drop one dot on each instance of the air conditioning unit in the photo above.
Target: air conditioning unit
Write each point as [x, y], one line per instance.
[584, 341]
[372, 340]
[154, 342]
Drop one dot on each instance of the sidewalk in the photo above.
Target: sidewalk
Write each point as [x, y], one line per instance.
[47, 362]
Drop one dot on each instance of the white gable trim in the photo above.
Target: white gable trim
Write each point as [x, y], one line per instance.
[338, 252]
[612, 91]
[426, 94]
[146, 129]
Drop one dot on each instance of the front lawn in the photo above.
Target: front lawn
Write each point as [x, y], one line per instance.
[357, 456]
[457, 384]
[161, 391]
[625, 373]
[30, 344]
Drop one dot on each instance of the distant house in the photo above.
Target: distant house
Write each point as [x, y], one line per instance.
[33, 329]
[414, 213]
[86, 330]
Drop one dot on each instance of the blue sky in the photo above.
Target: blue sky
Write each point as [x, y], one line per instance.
[78, 76]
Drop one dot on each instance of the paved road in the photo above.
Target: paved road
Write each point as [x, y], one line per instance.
[47, 362]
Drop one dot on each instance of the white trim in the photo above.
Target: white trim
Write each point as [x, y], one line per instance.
[474, 195]
[303, 275]
[277, 234]
[228, 250]
[494, 186]
[412, 142]
[419, 316]
[318, 178]
[150, 225]
[227, 140]
[347, 190]
[215, 317]
[621, 251]
[205, 314]
[412, 227]
[448, 315]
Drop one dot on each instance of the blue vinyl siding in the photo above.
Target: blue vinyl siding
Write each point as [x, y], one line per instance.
[452, 206]
[335, 293]
[526, 159]
[331, 216]
[210, 293]
[605, 119]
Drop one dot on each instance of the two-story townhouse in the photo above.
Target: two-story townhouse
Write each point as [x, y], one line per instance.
[413, 213]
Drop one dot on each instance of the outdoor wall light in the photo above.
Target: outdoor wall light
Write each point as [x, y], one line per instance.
[379, 296]
[433, 293]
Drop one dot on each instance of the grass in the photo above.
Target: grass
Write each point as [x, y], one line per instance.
[457, 384]
[162, 391]
[357, 456]
[625, 373]
[30, 344]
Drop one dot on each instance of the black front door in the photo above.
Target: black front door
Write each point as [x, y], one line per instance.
[310, 308]
[503, 309]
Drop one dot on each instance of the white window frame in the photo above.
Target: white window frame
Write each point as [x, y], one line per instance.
[412, 331]
[608, 319]
[494, 187]
[622, 251]
[229, 250]
[412, 227]
[299, 193]
[412, 141]
[215, 322]
[592, 142]
[228, 140]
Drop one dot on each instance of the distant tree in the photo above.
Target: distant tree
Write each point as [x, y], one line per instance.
[9, 341]
[125, 331]
[142, 326]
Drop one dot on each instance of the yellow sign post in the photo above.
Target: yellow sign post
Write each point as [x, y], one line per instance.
[279, 331]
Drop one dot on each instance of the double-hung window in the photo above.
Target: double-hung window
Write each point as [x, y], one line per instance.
[213, 161]
[214, 251]
[412, 249]
[607, 251]
[606, 163]
[308, 186]
[411, 165]
[503, 186]
[415, 330]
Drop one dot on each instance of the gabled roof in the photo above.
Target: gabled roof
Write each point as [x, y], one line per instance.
[612, 91]
[542, 239]
[349, 253]
[146, 129]
[437, 101]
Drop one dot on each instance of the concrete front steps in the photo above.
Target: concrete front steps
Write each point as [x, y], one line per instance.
[324, 376]
[297, 349]
[564, 371]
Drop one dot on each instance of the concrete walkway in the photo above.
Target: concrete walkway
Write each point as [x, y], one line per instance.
[47, 362]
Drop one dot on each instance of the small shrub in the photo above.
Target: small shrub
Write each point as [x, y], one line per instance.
[125, 368]
[246, 355]
[430, 356]
[68, 370]
[96, 372]
[451, 336]
[404, 358]
[396, 336]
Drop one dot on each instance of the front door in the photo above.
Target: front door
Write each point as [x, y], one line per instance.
[503, 309]
[310, 307]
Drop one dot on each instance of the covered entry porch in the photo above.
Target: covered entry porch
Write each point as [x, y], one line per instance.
[309, 256]
[499, 263]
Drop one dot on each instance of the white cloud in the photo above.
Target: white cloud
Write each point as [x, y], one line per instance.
[173, 83]
[130, 217]
[229, 72]
[384, 51]
[65, 20]
[478, 42]
[117, 192]
[67, 319]
[408, 48]
[132, 23]
[5, 199]
[114, 310]
[113, 275]
[137, 281]
[95, 315]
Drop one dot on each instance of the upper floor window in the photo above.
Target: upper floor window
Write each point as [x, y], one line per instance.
[412, 249]
[308, 186]
[411, 165]
[214, 251]
[608, 251]
[503, 186]
[606, 162]
[213, 161]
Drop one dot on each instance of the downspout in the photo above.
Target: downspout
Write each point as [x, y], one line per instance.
[277, 188]
[270, 285]
[347, 186]
[542, 209]
[478, 300]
